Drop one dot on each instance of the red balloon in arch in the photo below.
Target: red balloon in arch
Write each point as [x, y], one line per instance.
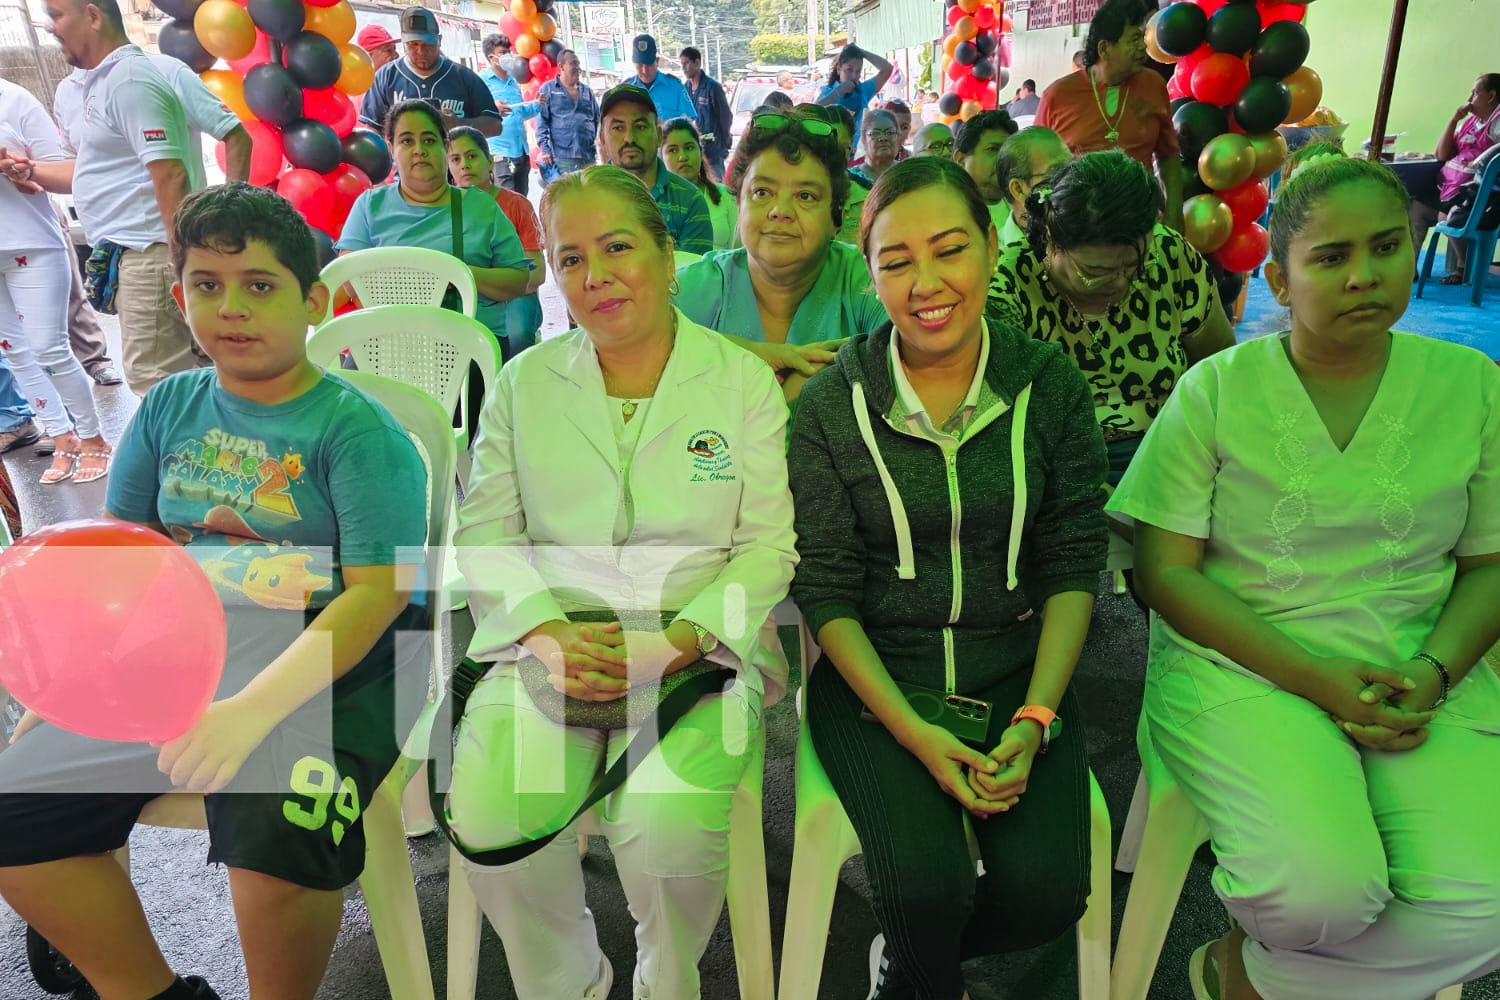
[1245, 249]
[985, 18]
[311, 194]
[1246, 201]
[1219, 78]
[332, 107]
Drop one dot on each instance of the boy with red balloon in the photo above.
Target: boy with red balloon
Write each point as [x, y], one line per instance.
[264, 468]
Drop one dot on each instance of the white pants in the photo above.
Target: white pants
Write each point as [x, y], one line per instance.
[1355, 873]
[34, 336]
[518, 774]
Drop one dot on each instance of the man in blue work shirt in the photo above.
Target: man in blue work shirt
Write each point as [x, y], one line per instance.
[424, 72]
[629, 138]
[567, 121]
[667, 92]
[512, 159]
[711, 110]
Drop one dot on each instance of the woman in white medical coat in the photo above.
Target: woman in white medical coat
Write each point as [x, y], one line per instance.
[634, 463]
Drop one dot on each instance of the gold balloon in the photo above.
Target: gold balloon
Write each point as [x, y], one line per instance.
[1270, 150]
[969, 6]
[224, 28]
[357, 72]
[523, 10]
[965, 28]
[544, 27]
[526, 43]
[228, 87]
[1153, 47]
[969, 109]
[1227, 161]
[1307, 91]
[949, 44]
[1207, 222]
[335, 23]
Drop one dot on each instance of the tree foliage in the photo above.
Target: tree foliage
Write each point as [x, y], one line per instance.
[783, 50]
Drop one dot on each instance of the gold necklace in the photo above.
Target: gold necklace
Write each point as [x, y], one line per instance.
[1113, 135]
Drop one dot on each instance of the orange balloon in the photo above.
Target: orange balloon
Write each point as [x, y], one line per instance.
[949, 44]
[224, 28]
[969, 109]
[229, 87]
[523, 10]
[1307, 91]
[965, 28]
[969, 6]
[544, 27]
[358, 71]
[335, 23]
[526, 43]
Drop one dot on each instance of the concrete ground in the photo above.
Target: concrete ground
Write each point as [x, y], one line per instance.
[188, 902]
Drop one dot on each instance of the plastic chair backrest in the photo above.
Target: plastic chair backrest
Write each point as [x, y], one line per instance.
[1488, 182]
[419, 346]
[398, 276]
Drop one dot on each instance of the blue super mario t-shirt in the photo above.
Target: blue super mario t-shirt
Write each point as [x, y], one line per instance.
[277, 499]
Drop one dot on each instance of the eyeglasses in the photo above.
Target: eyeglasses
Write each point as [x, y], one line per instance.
[882, 133]
[942, 146]
[773, 122]
[1130, 273]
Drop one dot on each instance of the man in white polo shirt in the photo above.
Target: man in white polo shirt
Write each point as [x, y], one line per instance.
[125, 125]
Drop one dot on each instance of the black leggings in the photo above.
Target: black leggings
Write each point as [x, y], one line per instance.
[932, 909]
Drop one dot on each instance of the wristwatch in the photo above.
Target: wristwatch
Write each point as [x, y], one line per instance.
[1044, 717]
[707, 641]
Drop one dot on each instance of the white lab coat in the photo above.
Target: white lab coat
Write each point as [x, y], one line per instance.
[712, 533]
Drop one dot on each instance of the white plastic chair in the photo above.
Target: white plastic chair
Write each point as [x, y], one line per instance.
[401, 276]
[387, 883]
[825, 839]
[748, 899]
[1161, 834]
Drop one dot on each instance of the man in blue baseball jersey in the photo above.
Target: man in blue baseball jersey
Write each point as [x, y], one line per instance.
[424, 72]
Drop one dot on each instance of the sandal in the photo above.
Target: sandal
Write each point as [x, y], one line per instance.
[1203, 974]
[1452, 279]
[82, 475]
[54, 475]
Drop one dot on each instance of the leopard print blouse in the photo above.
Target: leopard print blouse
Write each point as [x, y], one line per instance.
[1133, 355]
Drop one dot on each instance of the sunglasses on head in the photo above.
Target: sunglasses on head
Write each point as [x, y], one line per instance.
[773, 122]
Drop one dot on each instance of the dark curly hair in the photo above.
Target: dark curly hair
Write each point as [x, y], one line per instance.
[1109, 25]
[1099, 199]
[228, 216]
[793, 142]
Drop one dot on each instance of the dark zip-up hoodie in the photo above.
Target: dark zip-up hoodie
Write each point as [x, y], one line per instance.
[942, 560]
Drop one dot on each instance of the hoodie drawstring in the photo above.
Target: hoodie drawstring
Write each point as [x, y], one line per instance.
[906, 566]
[1018, 473]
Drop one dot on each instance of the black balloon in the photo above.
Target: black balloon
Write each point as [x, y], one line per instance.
[543, 6]
[1193, 185]
[553, 50]
[272, 95]
[313, 60]
[281, 19]
[1004, 76]
[180, 10]
[1280, 50]
[367, 151]
[312, 145]
[178, 40]
[966, 53]
[519, 69]
[1181, 28]
[1178, 102]
[1197, 122]
[984, 69]
[985, 42]
[1262, 105]
[949, 103]
[326, 250]
[1234, 29]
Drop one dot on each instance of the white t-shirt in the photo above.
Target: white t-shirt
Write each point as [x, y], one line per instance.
[117, 118]
[30, 222]
[204, 112]
[1350, 553]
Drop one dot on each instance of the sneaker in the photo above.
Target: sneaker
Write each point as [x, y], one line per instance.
[105, 374]
[27, 433]
[887, 982]
[199, 986]
[599, 988]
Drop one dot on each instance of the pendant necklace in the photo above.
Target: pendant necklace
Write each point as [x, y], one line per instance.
[628, 408]
[1113, 135]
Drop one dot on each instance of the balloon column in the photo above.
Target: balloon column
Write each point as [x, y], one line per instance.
[291, 78]
[976, 54]
[534, 51]
[1239, 75]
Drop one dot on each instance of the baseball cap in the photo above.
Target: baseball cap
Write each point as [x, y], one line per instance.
[418, 24]
[625, 93]
[642, 50]
[372, 37]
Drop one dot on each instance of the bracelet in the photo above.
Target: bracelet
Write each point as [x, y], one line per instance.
[1443, 677]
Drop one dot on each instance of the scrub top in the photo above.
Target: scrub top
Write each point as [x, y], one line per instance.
[716, 292]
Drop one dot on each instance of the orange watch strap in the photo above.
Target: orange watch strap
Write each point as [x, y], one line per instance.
[1040, 714]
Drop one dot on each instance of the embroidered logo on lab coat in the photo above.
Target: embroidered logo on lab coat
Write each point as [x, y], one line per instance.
[712, 462]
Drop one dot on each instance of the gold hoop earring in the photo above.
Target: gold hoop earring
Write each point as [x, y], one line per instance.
[673, 288]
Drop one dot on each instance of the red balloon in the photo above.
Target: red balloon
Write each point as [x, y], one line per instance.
[954, 13]
[985, 18]
[541, 67]
[332, 107]
[1246, 201]
[1219, 78]
[969, 88]
[110, 630]
[511, 26]
[1245, 248]
[266, 156]
[1275, 10]
[1177, 86]
[348, 182]
[1212, 7]
[309, 194]
[957, 71]
[261, 53]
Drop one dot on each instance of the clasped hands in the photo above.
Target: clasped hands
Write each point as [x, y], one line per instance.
[600, 661]
[1376, 706]
[984, 784]
[17, 168]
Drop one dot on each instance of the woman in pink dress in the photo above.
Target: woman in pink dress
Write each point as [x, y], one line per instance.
[1473, 130]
